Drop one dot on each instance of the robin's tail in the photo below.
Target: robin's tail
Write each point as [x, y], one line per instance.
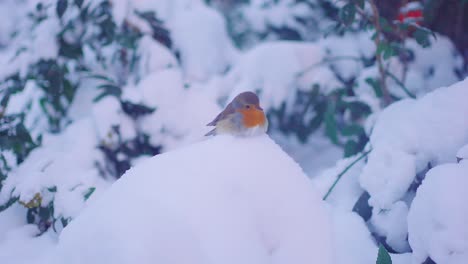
[211, 133]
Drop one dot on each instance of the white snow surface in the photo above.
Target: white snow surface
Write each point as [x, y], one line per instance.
[218, 201]
[347, 190]
[463, 152]
[200, 34]
[353, 241]
[438, 216]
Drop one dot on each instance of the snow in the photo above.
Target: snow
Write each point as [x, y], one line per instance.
[228, 203]
[315, 156]
[9, 219]
[346, 51]
[347, 191]
[154, 56]
[66, 162]
[108, 113]
[463, 152]
[353, 242]
[24, 246]
[38, 42]
[200, 35]
[263, 69]
[181, 114]
[438, 216]
[393, 225]
[19, 242]
[434, 66]
[409, 135]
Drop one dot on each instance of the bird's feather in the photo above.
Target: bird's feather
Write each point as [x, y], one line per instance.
[227, 111]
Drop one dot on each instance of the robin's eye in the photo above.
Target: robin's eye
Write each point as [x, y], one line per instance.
[247, 106]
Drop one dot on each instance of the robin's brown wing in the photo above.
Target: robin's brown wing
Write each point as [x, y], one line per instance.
[227, 111]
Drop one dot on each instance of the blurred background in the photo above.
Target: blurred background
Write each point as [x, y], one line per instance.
[90, 88]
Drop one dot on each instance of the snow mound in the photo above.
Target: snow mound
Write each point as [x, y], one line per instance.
[438, 216]
[223, 200]
[411, 134]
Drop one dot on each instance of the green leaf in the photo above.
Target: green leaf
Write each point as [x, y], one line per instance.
[351, 147]
[52, 189]
[9, 203]
[358, 109]
[375, 86]
[330, 123]
[136, 110]
[100, 77]
[352, 130]
[108, 89]
[100, 96]
[68, 90]
[111, 89]
[347, 14]
[383, 257]
[389, 52]
[89, 193]
[61, 7]
[70, 50]
[422, 37]
[386, 50]
[385, 25]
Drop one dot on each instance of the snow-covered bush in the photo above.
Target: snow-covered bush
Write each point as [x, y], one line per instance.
[411, 142]
[113, 78]
[250, 22]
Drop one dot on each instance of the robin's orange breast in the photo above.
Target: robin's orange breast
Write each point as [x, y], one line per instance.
[252, 117]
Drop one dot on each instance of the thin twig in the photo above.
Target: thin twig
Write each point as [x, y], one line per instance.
[363, 155]
[401, 84]
[382, 71]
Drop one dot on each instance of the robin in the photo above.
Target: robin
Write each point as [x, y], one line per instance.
[243, 116]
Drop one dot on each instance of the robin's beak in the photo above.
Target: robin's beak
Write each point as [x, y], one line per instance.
[259, 108]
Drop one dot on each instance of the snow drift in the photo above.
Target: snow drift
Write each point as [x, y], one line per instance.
[224, 200]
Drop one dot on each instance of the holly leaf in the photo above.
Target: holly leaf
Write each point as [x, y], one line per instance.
[330, 123]
[383, 257]
[375, 86]
[89, 192]
[351, 147]
[422, 37]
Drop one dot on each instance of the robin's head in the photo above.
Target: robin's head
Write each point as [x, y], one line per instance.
[248, 104]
